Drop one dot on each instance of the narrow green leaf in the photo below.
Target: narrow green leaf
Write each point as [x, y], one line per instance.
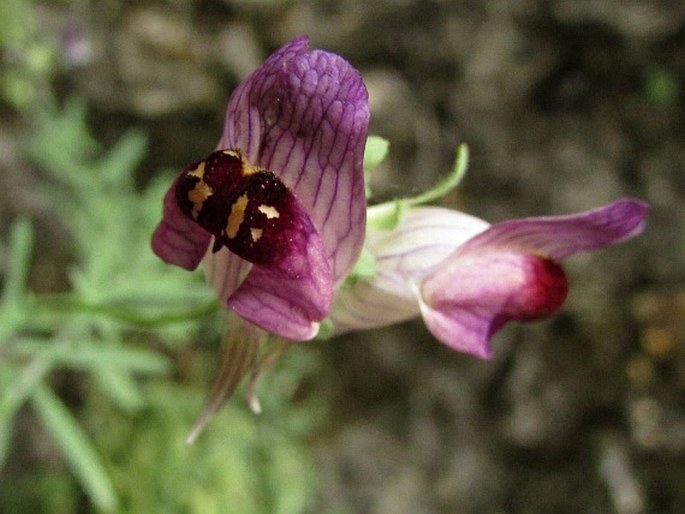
[116, 166]
[20, 386]
[121, 388]
[21, 243]
[76, 447]
[17, 387]
[133, 310]
[93, 355]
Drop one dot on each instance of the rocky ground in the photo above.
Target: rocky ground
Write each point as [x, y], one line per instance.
[565, 104]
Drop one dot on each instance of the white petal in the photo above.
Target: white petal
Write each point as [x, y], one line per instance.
[423, 239]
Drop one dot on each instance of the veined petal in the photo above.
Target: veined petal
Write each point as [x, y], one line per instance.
[424, 237]
[509, 272]
[224, 271]
[304, 115]
[290, 295]
[557, 237]
[470, 279]
[177, 239]
[465, 300]
[253, 214]
[373, 303]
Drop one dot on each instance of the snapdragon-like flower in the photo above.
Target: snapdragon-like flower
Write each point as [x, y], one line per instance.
[277, 215]
[468, 278]
[278, 211]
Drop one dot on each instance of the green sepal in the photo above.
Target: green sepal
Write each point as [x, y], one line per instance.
[375, 152]
[386, 215]
[326, 330]
[364, 269]
[365, 266]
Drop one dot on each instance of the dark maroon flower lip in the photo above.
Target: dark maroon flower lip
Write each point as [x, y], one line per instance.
[246, 209]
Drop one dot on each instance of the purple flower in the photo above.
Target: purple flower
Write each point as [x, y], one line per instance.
[466, 278]
[278, 212]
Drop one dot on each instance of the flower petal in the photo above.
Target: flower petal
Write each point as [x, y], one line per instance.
[289, 296]
[304, 115]
[465, 300]
[178, 239]
[508, 272]
[224, 271]
[560, 236]
[424, 237]
[372, 303]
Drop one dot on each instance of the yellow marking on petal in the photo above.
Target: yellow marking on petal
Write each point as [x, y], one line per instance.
[246, 167]
[198, 172]
[256, 234]
[269, 211]
[198, 195]
[201, 191]
[236, 217]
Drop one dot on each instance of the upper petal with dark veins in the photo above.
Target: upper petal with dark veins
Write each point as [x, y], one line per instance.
[304, 115]
[558, 237]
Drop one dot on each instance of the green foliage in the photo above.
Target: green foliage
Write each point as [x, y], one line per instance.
[76, 447]
[113, 331]
[30, 59]
[110, 223]
[241, 463]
